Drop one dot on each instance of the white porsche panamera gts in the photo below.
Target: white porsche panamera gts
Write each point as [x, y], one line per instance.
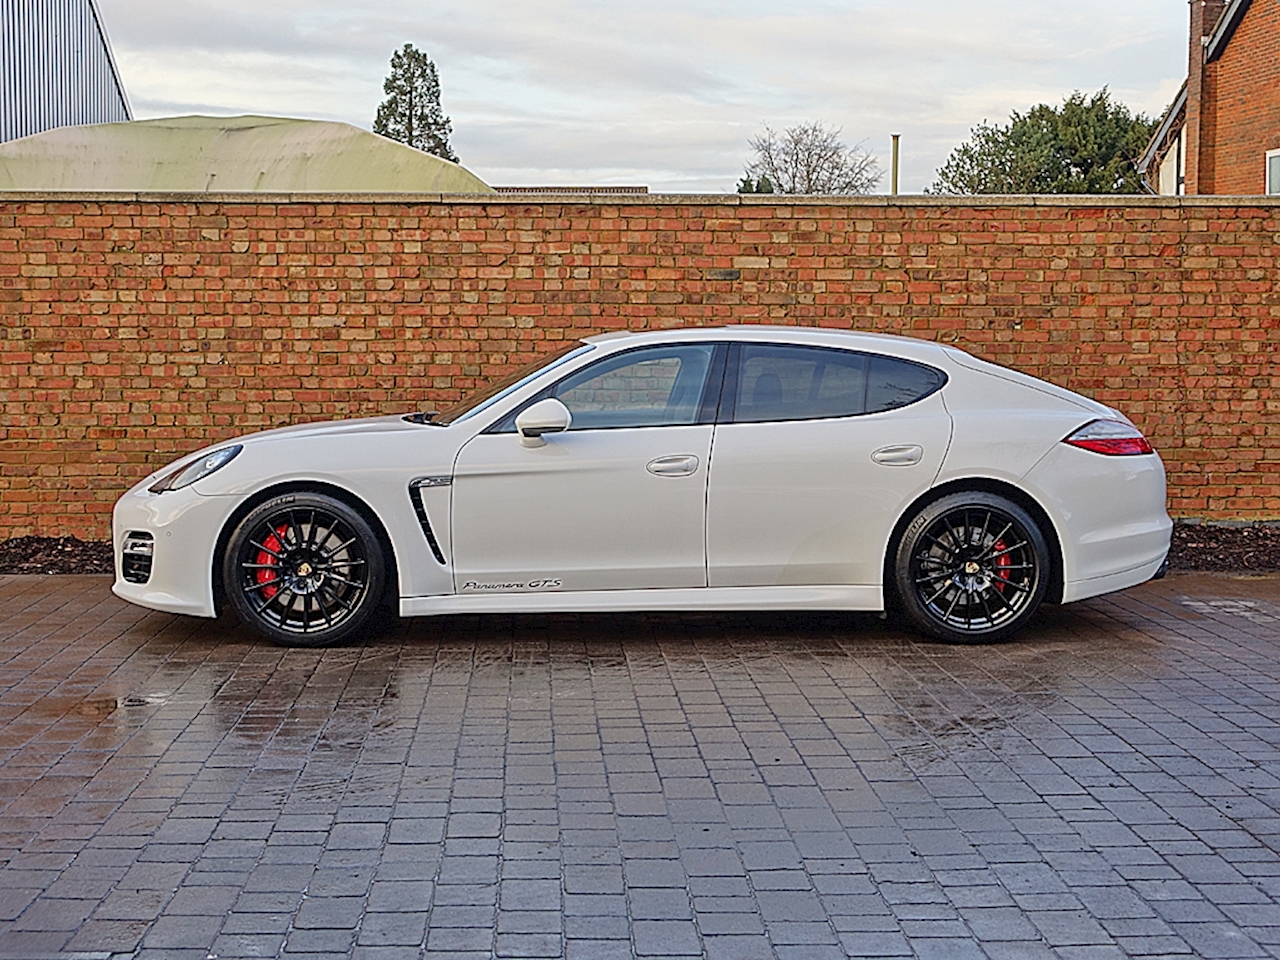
[740, 468]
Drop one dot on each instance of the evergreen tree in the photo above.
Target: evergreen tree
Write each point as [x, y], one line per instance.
[1085, 146]
[412, 113]
[747, 185]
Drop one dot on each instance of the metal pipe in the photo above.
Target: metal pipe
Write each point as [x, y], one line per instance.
[894, 175]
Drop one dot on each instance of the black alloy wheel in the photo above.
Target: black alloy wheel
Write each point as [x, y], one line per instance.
[972, 568]
[305, 570]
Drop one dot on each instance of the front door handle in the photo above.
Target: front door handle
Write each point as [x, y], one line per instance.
[899, 455]
[679, 466]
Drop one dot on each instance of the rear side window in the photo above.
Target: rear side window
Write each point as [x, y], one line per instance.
[798, 383]
[777, 382]
[894, 383]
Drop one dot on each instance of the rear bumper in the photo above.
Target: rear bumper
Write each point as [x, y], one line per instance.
[1110, 516]
[1110, 583]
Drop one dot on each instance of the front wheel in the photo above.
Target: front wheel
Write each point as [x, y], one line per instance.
[971, 568]
[305, 570]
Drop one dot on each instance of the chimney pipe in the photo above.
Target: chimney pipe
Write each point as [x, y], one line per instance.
[893, 178]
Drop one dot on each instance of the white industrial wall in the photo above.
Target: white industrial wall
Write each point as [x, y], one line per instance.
[56, 68]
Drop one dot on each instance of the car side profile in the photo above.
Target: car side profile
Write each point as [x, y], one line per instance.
[735, 468]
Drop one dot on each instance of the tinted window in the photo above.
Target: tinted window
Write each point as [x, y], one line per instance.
[650, 387]
[798, 383]
[894, 383]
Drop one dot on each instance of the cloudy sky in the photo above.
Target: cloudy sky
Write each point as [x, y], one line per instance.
[658, 92]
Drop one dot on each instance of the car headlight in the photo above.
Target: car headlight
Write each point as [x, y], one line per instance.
[194, 470]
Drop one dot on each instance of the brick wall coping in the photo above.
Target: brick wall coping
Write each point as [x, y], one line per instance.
[643, 200]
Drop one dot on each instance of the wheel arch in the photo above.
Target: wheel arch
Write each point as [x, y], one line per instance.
[352, 500]
[1053, 593]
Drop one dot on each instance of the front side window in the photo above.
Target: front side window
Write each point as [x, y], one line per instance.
[647, 387]
[650, 387]
[776, 382]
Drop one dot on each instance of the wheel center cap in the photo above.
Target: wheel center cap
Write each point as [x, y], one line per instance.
[304, 569]
[971, 567]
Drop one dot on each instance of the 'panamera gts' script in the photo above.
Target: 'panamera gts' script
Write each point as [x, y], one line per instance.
[526, 585]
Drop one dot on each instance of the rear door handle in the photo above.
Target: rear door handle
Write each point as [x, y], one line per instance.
[899, 455]
[679, 466]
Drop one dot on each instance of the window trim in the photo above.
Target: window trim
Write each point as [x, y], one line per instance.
[729, 391]
[1271, 187]
[708, 405]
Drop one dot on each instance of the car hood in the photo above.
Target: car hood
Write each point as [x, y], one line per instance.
[336, 428]
[321, 429]
[332, 451]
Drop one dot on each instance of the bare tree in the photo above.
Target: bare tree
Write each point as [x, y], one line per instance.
[811, 158]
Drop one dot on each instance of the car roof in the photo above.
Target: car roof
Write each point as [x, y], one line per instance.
[910, 347]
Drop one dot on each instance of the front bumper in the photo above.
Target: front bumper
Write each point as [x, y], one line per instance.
[185, 529]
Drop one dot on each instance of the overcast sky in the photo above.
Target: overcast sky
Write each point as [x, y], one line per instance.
[664, 93]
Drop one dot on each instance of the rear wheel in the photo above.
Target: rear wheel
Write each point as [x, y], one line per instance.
[971, 568]
[305, 570]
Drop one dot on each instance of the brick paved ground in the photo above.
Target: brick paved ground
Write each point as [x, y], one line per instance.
[610, 787]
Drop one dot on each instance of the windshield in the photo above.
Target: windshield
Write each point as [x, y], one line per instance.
[483, 399]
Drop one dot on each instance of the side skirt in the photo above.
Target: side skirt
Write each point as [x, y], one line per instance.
[696, 598]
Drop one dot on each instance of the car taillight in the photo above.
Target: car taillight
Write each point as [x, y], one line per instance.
[1111, 438]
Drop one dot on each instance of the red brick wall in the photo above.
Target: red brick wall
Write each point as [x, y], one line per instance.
[137, 330]
[1245, 82]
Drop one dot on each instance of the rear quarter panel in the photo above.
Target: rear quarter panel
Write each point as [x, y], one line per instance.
[1001, 428]
[1108, 512]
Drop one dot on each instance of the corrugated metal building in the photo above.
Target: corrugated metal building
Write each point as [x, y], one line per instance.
[56, 68]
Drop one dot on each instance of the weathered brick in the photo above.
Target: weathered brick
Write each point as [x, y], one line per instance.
[137, 330]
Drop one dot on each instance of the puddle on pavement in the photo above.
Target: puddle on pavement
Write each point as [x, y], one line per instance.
[95, 708]
[1255, 611]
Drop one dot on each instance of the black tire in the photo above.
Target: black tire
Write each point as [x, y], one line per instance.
[304, 570]
[971, 568]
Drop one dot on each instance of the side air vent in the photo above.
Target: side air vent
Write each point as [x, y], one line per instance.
[415, 495]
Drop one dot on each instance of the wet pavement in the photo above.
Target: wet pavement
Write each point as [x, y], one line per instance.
[643, 786]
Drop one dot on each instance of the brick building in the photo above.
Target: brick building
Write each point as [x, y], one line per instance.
[1221, 134]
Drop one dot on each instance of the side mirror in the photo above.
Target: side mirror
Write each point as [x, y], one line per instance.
[545, 416]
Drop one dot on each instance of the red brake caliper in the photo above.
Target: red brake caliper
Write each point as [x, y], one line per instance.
[273, 543]
[1003, 563]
